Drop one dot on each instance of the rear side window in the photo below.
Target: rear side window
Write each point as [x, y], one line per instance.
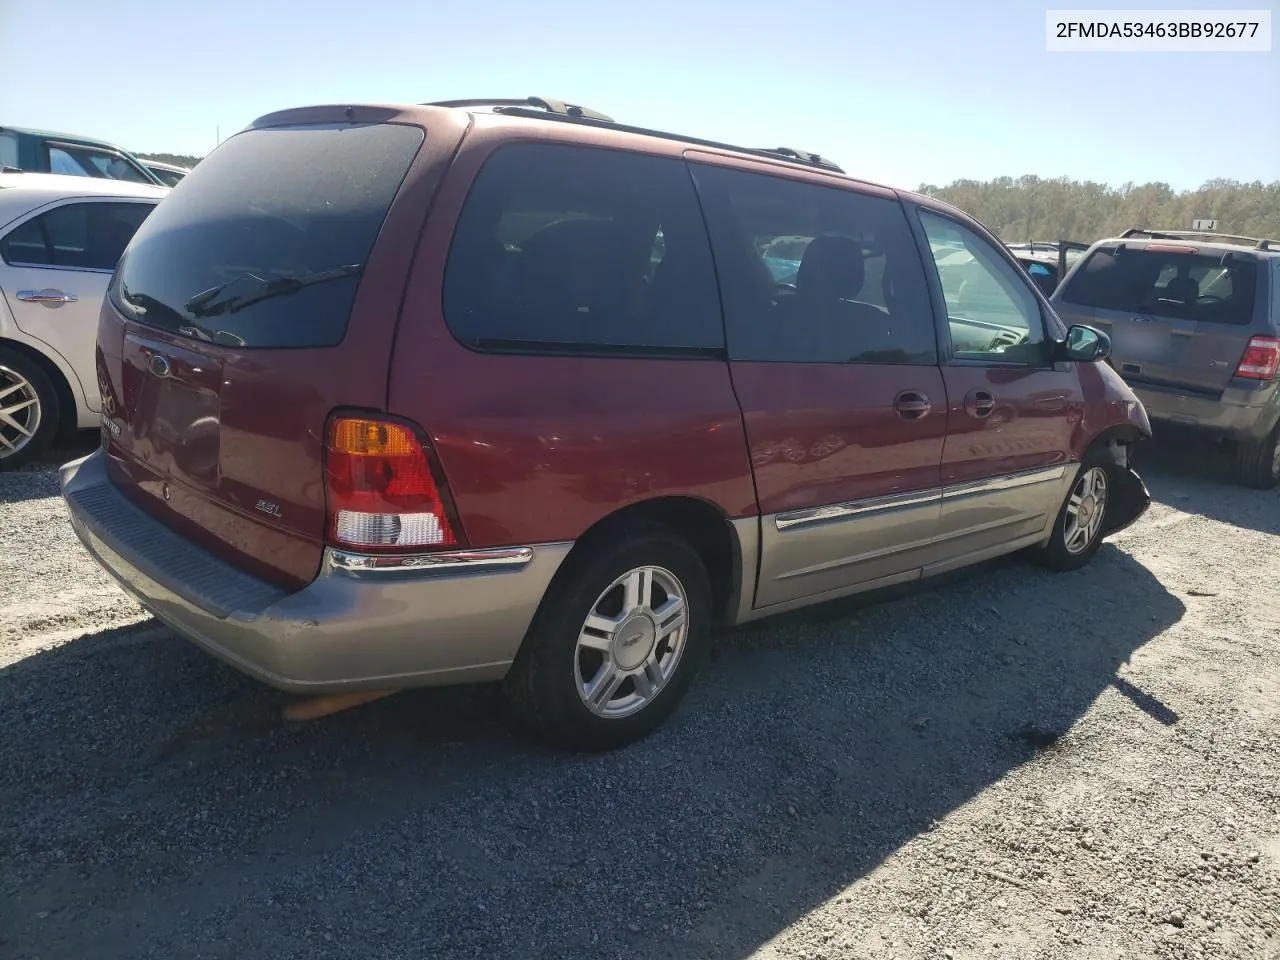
[814, 274]
[84, 236]
[563, 248]
[265, 243]
[1180, 286]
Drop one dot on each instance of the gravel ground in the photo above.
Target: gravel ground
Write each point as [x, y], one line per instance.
[1002, 764]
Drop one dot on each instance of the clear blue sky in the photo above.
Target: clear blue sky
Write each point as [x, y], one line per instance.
[901, 91]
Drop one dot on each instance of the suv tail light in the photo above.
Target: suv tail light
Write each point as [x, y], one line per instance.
[1261, 359]
[381, 488]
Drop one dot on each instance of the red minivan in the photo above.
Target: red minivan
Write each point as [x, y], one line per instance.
[503, 390]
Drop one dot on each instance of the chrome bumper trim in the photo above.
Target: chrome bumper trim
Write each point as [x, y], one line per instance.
[454, 561]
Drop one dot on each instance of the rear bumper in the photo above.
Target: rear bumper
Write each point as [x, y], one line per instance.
[1242, 413]
[349, 629]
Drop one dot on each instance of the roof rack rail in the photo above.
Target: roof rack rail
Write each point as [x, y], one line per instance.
[804, 156]
[543, 108]
[1259, 243]
[558, 108]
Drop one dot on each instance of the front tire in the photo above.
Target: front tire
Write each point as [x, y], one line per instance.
[1078, 530]
[28, 409]
[616, 642]
[1258, 463]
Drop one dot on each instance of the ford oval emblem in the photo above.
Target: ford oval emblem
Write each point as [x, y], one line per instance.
[159, 365]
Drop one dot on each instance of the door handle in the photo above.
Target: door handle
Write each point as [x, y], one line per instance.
[45, 296]
[979, 403]
[912, 405]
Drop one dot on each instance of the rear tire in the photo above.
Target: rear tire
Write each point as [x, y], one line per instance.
[1258, 463]
[1077, 533]
[29, 409]
[616, 643]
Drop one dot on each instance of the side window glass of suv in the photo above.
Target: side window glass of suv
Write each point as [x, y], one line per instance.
[84, 236]
[564, 248]
[991, 311]
[814, 274]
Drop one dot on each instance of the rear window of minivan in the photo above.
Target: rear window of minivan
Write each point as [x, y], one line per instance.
[263, 243]
[1180, 286]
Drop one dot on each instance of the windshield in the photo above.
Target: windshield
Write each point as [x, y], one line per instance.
[263, 244]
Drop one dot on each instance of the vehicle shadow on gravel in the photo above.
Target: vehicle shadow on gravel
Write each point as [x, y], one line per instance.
[1194, 475]
[155, 805]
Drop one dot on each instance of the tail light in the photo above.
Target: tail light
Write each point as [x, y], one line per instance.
[382, 490]
[1261, 359]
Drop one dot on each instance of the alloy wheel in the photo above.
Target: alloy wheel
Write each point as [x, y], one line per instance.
[1086, 509]
[19, 412]
[631, 643]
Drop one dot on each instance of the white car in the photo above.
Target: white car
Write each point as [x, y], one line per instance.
[60, 239]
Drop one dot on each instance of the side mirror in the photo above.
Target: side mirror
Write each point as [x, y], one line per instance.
[1085, 344]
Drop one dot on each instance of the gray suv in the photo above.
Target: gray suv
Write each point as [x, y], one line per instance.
[1194, 320]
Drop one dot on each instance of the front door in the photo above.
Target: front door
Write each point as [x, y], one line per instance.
[1011, 413]
[834, 361]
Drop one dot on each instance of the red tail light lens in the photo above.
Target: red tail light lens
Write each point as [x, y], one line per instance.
[1261, 359]
[382, 492]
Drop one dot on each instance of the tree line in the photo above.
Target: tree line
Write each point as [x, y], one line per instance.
[1031, 208]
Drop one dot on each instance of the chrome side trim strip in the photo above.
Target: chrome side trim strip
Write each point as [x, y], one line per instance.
[841, 511]
[902, 548]
[897, 501]
[454, 561]
[1009, 482]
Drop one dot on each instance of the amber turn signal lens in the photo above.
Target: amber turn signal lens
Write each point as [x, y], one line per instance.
[371, 438]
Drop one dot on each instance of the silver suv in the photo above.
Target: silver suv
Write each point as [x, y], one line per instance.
[1194, 320]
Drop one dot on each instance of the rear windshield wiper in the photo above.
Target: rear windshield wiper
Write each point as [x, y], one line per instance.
[207, 304]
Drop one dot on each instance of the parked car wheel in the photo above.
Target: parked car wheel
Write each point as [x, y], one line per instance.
[1078, 532]
[1258, 464]
[28, 409]
[616, 643]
